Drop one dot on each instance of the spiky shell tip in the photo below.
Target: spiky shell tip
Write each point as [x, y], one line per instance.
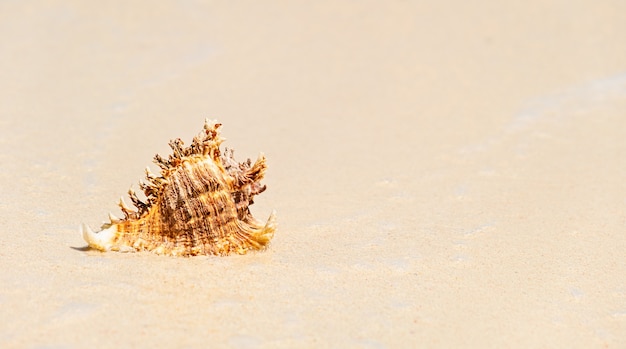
[197, 205]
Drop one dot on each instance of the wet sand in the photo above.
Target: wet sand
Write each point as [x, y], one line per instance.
[444, 174]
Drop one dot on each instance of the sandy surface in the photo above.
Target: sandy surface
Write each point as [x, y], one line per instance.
[446, 174]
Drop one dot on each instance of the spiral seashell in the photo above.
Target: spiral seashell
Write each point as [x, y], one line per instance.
[198, 205]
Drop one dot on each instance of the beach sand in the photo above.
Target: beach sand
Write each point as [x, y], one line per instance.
[445, 174]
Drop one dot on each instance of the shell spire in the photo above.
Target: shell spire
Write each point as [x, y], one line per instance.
[197, 205]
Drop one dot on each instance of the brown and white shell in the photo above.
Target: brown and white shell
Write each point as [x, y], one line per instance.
[198, 205]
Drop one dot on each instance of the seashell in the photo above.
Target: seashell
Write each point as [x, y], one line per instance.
[198, 205]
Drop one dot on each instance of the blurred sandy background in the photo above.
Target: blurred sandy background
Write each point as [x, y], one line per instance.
[445, 173]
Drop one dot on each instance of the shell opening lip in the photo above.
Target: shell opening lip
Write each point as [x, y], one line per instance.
[101, 240]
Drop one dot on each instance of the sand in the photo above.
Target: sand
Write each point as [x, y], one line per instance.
[445, 174]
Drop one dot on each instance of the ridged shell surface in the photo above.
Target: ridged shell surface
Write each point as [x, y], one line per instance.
[198, 205]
